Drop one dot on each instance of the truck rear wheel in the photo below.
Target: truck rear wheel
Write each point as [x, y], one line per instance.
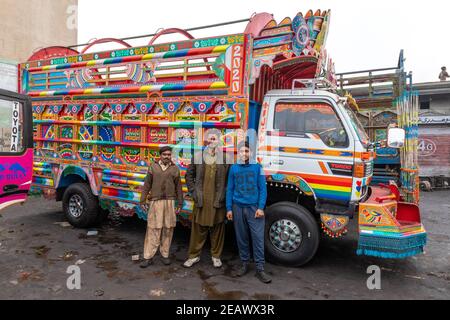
[80, 205]
[292, 234]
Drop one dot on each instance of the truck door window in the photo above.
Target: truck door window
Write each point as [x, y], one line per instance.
[11, 126]
[297, 119]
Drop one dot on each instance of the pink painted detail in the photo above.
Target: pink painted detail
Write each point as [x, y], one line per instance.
[257, 23]
[15, 178]
[14, 199]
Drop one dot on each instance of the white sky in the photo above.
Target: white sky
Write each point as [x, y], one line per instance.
[363, 34]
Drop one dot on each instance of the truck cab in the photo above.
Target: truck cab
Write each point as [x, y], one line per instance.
[311, 145]
[315, 132]
[319, 163]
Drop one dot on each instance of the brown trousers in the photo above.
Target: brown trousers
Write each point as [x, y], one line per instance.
[157, 238]
[199, 234]
[161, 222]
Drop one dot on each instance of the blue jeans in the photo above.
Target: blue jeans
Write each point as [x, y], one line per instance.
[244, 221]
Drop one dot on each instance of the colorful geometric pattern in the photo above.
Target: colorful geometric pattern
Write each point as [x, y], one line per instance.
[372, 216]
[139, 75]
[334, 226]
[121, 60]
[65, 150]
[322, 152]
[134, 89]
[302, 36]
[172, 101]
[324, 187]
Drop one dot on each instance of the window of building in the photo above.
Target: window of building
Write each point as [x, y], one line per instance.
[425, 105]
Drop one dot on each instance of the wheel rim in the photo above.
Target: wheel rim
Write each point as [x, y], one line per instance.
[76, 206]
[285, 235]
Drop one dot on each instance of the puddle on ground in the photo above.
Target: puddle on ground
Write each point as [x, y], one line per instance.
[41, 251]
[105, 238]
[213, 294]
[110, 238]
[166, 273]
[202, 274]
[228, 269]
[104, 262]
[107, 265]
[265, 296]
[41, 234]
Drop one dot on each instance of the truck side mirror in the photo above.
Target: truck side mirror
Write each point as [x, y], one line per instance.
[396, 138]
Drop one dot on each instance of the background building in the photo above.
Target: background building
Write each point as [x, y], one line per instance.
[434, 132]
[27, 25]
[375, 91]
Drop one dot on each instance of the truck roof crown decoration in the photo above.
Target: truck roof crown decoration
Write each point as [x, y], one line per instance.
[314, 84]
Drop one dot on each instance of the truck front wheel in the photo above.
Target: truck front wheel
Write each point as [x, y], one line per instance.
[80, 205]
[292, 234]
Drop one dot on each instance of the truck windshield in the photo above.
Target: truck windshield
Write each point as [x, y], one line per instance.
[362, 135]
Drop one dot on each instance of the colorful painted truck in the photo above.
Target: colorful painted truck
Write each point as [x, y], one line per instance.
[101, 117]
[16, 148]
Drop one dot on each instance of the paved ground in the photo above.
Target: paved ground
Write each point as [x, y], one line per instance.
[35, 254]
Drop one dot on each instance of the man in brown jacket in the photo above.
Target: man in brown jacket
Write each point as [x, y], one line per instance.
[206, 182]
[161, 189]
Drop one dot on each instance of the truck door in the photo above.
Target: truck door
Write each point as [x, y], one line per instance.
[16, 148]
[306, 138]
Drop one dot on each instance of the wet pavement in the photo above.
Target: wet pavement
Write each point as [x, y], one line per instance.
[36, 249]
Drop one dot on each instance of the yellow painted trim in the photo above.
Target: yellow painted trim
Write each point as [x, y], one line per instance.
[218, 85]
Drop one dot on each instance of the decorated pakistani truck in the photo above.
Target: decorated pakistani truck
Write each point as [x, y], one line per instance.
[100, 118]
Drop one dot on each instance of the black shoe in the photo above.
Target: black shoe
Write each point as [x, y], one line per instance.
[243, 270]
[263, 277]
[166, 261]
[146, 263]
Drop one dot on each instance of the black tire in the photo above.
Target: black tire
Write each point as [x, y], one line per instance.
[88, 214]
[298, 254]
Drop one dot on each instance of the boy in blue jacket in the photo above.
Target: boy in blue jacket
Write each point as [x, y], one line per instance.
[246, 199]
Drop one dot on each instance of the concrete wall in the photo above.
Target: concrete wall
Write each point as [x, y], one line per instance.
[26, 25]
